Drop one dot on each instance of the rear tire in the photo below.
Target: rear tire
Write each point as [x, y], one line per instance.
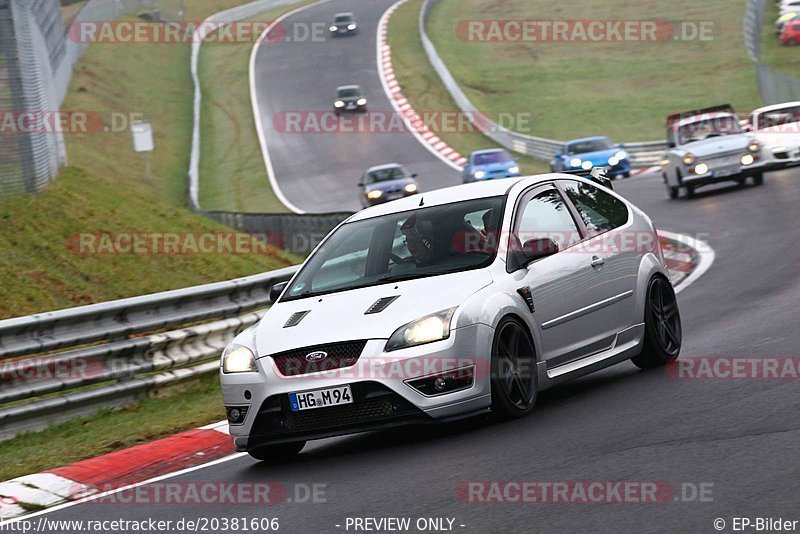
[277, 453]
[513, 378]
[758, 179]
[662, 326]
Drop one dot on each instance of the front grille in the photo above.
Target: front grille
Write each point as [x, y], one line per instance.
[339, 355]
[373, 404]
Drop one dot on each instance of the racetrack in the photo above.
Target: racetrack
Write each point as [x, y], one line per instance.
[319, 171]
[618, 424]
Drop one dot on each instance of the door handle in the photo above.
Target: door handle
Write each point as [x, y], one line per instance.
[597, 261]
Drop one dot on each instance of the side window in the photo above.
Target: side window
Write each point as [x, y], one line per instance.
[547, 215]
[599, 210]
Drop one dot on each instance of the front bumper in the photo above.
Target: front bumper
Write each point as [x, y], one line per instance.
[712, 177]
[776, 158]
[381, 394]
[387, 197]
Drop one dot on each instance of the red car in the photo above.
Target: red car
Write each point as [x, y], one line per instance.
[791, 33]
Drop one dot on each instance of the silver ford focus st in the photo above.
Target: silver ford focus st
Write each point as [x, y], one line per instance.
[449, 304]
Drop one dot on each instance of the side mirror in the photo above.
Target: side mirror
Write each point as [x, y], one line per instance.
[538, 248]
[414, 175]
[671, 144]
[620, 145]
[277, 289]
[360, 184]
[557, 155]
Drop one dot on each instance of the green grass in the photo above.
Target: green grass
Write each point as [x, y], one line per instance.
[232, 173]
[105, 189]
[188, 406]
[783, 58]
[425, 91]
[623, 90]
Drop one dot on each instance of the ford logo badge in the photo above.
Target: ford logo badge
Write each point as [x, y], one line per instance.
[317, 356]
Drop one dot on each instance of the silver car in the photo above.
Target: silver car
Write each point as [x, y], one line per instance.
[450, 304]
[708, 146]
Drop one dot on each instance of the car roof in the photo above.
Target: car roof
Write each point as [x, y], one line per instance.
[775, 107]
[703, 117]
[584, 139]
[384, 166]
[489, 151]
[344, 14]
[343, 87]
[458, 193]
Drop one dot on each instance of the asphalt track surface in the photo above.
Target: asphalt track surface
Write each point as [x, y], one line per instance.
[619, 424]
[318, 171]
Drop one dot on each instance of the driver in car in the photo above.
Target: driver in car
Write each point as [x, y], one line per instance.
[419, 240]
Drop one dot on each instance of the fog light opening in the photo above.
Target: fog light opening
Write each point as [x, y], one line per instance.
[236, 414]
[447, 382]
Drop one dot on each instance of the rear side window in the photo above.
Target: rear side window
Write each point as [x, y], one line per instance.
[599, 210]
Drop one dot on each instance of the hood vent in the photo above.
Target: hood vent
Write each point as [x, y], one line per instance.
[295, 319]
[381, 304]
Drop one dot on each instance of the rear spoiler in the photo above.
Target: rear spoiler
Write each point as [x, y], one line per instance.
[597, 175]
[675, 117]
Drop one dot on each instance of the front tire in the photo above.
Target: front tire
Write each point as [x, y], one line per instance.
[662, 326]
[758, 179]
[277, 453]
[513, 379]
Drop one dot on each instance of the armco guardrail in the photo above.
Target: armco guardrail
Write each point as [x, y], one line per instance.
[117, 350]
[642, 154]
[773, 85]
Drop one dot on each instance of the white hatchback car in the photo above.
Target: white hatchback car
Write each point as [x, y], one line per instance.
[448, 304]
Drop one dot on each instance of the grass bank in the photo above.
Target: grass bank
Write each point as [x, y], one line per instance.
[573, 89]
[784, 58]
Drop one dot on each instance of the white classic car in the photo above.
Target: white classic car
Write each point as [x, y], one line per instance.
[709, 146]
[777, 128]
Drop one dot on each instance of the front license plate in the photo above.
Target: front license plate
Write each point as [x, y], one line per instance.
[726, 171]
[320, 398]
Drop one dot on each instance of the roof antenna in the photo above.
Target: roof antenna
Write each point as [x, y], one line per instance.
[422, 201]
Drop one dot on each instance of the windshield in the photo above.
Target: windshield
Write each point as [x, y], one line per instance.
[402, 246]
[349, 92]
[343, 18]
[593, 145]
[710, 127]
[500, 156]
[385, 175]
[778, 117]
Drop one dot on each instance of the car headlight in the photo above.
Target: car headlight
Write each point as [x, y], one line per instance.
[621, 155]
[613, 160]
[586, 165]
[513, 170]
[575, 162]
[351, 27]
[332, 28]
[701, 168]
[479, 174]
[238, 359]
[754, 147]
[362, 102]
[688, 159]
[428, 329]
[748, 159]
[338, 104]
[411, 188]
[375, 193]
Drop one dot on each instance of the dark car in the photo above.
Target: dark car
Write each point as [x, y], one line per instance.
[349, 98]
[343, 24]
[386, 182]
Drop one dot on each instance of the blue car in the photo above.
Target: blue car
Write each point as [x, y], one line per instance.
[489, 165]
[592, 152]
